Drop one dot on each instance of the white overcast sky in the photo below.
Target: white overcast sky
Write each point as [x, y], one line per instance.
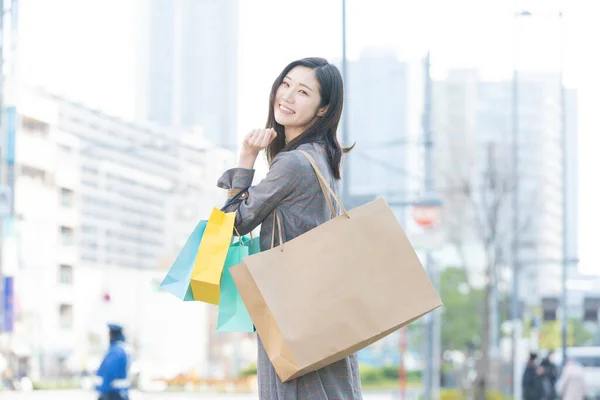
[85, 50]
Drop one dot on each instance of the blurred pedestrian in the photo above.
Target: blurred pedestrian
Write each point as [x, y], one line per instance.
[532, 380]
[112, 374]
[571, 385]
[8, 380]
[550, 376]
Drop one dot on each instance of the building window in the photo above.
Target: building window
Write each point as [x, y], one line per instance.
[65, 316]
[33, 173]
[66, 198]
[35, 127]
[65, 151]
[66, 236]
[65, 274]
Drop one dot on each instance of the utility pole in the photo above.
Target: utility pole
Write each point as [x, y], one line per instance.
[565, 193]
[8, 118]
[345, 135]
[432, 370]
[2, 153]
[516, 295]
[565, 262]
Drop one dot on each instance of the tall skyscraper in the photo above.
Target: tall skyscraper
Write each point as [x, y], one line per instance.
[187, 63]
[377, 92]
[377, 107]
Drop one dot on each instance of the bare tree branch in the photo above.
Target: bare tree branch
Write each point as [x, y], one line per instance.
[482, 202]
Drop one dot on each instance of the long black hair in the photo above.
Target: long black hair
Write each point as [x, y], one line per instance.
[323, 130]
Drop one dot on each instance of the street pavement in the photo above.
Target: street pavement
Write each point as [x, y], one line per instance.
[85, 395]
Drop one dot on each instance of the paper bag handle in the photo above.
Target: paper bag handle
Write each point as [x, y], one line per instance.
[325, 186]
[276, 220]
[326, 191]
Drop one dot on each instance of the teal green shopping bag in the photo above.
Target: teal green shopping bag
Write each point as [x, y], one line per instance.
[233, 316]
[177, 281]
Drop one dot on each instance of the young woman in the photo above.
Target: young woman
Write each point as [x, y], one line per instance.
[305, 107]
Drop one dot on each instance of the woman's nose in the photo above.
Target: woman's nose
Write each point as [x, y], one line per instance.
[288, 96]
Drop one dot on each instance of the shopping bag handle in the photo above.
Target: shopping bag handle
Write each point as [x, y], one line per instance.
[278, 222]
[325, 186]
[240, 237]
[237, 233]
[235, 199]
[326, 191]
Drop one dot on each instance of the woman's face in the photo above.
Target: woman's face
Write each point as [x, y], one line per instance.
[297, 99]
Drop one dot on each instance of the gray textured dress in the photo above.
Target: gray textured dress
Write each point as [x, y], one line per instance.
[291, 187]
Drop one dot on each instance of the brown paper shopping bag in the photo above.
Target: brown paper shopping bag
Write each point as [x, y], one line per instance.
[335, 289]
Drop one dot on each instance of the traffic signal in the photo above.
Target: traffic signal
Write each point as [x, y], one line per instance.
[550, 308]
[590, 309]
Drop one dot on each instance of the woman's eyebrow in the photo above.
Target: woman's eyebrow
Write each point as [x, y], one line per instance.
[301, 84]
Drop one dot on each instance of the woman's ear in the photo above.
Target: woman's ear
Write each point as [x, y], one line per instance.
[322, 111]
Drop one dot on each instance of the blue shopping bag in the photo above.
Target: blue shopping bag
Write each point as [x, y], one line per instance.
[233, 315]
[177, 281]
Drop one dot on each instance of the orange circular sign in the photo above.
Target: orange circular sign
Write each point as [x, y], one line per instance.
[426, 216]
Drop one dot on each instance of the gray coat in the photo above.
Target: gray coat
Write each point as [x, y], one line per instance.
[291, 188]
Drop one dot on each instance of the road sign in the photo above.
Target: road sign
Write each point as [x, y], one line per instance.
[426, 216]
[8, 304]
[426, 212]
[11, 133]
[427, 239]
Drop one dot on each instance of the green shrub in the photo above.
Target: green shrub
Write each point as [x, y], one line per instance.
[249, 371]
[457, 394]
[59, 384]
[452, 394]
[390, 372]
[414, 376]
[495, 396]
[370, 375]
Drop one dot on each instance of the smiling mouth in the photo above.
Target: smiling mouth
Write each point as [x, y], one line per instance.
[286, 110]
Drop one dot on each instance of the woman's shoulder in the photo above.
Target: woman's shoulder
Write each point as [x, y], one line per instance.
[296, 160]
[315, 150]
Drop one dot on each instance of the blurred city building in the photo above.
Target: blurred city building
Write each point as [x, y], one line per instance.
[187, 66]
[102, 207]
[474, 117]
[378, 92]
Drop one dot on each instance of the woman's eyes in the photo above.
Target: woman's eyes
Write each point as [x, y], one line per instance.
[304, 92]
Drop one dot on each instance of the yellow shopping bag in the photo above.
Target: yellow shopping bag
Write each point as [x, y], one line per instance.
[210, 259]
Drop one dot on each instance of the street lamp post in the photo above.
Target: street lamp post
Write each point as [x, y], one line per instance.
[345, 134]
[426, 214]
[565, 193]
[515, 303]
[565, 221]
[430, 201]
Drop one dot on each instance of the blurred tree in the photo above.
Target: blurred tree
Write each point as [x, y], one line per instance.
[477, 215]
[461, 318]
[581, 335]
[577, 334]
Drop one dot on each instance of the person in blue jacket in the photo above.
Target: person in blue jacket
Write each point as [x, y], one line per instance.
[112, 374]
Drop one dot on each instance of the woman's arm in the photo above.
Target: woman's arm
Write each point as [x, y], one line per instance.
[264, 197]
